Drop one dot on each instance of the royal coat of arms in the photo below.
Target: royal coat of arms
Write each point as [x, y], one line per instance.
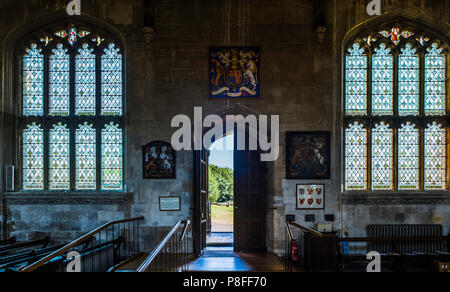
[235, 72]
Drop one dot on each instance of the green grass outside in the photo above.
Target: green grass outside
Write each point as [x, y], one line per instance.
[222, 215]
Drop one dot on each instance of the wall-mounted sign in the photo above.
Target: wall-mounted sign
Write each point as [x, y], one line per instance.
[310, 197]
[169, 204]
[310, 218]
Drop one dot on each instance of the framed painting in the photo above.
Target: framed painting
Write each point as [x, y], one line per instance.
[159, 161]
[169, 204]
[308, 155]
[310, 197]
[235, 73]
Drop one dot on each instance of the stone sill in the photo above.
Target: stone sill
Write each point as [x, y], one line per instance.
[396, 198]
[67, 198]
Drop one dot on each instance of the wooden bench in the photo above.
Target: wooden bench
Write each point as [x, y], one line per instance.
[402, 247]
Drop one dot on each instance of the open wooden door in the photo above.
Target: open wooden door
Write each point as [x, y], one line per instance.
[250, 201]
[200, 220]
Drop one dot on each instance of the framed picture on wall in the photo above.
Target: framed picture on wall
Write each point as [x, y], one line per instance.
[234, 73]
[310, 197]
[168, 204]
[159, 161]
[308, 155]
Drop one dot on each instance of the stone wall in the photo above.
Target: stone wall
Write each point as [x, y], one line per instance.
[301, 82]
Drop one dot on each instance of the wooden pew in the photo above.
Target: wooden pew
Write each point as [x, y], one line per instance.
[12, 240]
[16, 247]
[398, 249]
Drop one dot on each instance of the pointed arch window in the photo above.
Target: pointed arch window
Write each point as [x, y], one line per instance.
[396, 111]
[72, 90]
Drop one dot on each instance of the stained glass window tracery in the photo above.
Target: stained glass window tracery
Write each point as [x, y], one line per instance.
[86, 155]
[435, 158]
[356, 157]
[59, 158]
[382, 157]
[405, 82]
[409, 82]
[85, 91]
[59, 82]
[356, 81]
[112, 173]
[111, 81]
[435, 81]
[72, 88]
[382, 81]
[33, 158]
[33, 79]
[408, 157]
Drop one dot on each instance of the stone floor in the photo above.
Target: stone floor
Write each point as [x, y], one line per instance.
[224, 259]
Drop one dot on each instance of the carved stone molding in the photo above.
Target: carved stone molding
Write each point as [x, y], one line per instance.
[149, 33]
[68, 199]
[396, 199]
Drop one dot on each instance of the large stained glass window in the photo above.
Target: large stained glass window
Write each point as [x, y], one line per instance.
[408, 82]
[59, 82]
[72, 123]
[33, 158]
[356, 81]
[382, 81]
[112, 173]
[33, 82]
[356, 157]
[382, 157]
[86, 155]
[435, 162]
[85, 91]
[59, 158]
[435, 81]
[403, 106]
[112, 82]
[408, 157]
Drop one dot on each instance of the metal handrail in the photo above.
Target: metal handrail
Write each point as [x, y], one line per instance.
[149, 260]
[303, 228]
[75, 243]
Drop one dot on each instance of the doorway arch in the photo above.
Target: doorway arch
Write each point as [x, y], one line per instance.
[250, 195]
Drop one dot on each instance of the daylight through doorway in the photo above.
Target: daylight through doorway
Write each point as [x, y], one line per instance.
[221, 192]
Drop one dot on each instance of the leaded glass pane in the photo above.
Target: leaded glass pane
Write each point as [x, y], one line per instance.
[59, 158]
[435, 81]
[111, 82]
[382, 157]
[435, 157]
[408, 157]
[356, 82]
[382, 81]
[408, 82]
[59, 82]
[85, 82]
[356, 157]
[85, 157]
[33, 82]
[112, 173]
[33, 158]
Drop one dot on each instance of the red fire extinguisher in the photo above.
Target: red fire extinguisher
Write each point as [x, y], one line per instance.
[294, 251]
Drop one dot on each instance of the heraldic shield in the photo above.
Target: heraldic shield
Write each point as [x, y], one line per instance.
[235, 72]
